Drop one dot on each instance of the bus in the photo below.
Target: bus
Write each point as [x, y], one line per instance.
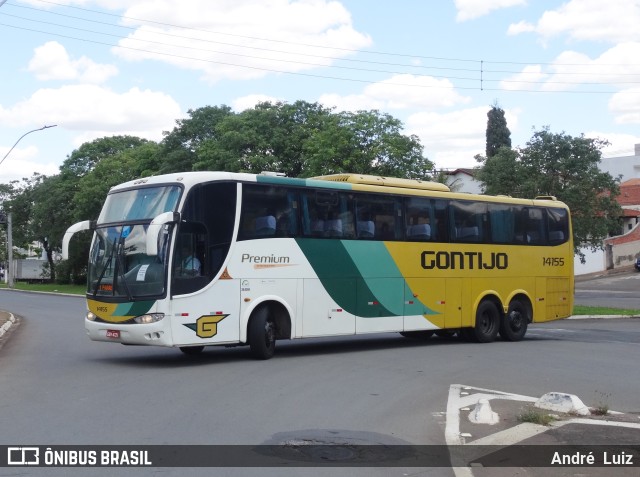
[194, 259]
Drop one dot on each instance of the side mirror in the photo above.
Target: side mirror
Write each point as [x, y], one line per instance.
[155, 227]
[85, 225]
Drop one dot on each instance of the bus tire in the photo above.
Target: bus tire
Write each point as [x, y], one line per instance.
[191, 350]
[487, 322]
[513, 325]
[262, 334]
[417, 335]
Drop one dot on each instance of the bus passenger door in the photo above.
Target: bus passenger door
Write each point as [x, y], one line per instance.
[209, 316]
[321, 314]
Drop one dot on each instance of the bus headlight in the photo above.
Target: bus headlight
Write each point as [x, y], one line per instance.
[149, 318]
[91, 316]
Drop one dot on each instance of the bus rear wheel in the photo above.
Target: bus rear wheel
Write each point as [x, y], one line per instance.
[513, 325]
[262, 334]
[487, 323]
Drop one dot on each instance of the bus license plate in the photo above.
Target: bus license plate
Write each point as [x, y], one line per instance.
[113, 334]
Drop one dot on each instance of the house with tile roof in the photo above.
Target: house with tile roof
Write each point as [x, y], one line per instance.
[622, 250]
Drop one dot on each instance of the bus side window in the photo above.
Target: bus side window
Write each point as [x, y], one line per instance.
[535, 230]
[469, 221]
[557, 221]
[502, 221]
[418, 219]
[268, 211]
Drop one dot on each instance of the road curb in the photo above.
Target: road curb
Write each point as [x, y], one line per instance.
[8, 323]
[600, 317]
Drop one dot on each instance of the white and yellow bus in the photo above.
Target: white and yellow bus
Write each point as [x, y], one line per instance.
[214, 258]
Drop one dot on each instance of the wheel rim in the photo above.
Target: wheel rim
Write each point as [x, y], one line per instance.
[269, 334]
[516, 320]
[486, 322]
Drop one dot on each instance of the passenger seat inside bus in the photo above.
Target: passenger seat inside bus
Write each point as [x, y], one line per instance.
[333, 228]
[419, 232]
[366, 228]
[265, 226]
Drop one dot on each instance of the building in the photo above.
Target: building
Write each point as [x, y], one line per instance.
[463, 180]
[622, 250]
[627, 167]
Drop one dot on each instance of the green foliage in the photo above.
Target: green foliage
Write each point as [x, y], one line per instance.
[498, 134]
[565, 167]
[300, 139]
[304, 140]
[534, 415]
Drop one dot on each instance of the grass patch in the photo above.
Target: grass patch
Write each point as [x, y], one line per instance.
[49, 287]
[602, 310]
[601, 407]
[535, 416]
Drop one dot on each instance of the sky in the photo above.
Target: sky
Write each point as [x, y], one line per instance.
[96, 68]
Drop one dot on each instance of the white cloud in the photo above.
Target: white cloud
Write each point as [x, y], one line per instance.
[21, 162]
[399, 92]
[241, 39]
[52, 62]
[528, 78]
[612, 21]
[96, 111]
[620, 144]
[572, 70]
[470, 9]
[250, 100]
[625, 105]
[451, 140]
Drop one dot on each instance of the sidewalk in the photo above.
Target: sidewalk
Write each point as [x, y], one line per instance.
[8, 323]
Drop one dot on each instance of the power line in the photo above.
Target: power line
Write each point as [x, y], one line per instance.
[481, 77]
[351, 50]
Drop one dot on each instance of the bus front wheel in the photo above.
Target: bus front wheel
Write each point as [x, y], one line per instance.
[487, 322]
[262, 334]
[513, 325]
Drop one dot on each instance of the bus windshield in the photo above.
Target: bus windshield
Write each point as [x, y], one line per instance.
[120, 267]
[139, 204]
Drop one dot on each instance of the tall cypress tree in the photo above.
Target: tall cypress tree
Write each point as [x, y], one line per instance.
[498, 134]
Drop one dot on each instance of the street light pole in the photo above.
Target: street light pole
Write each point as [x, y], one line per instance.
[10, 270]
[20, 138]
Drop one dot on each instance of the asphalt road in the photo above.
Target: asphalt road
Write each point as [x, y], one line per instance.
[57, 387]
[617, 291]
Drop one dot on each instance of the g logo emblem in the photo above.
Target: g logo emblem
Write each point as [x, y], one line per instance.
[207, 325]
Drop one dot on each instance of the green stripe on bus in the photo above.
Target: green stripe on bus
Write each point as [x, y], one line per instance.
[341, 278]
[135, 308]
[380, 273]
[290, 181]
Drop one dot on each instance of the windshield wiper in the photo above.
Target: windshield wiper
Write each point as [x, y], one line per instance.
[120, 274]
[104, 270]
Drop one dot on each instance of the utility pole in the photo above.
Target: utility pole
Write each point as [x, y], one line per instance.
[9, 251]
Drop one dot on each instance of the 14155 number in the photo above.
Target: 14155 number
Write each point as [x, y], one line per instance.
[552, 261]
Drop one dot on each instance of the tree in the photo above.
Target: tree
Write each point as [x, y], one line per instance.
[40, 212]
[180, 146]
[305, 139]
[566, 167]
[498, 134]
[499, 173]
[83, 160]
[366, 142]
